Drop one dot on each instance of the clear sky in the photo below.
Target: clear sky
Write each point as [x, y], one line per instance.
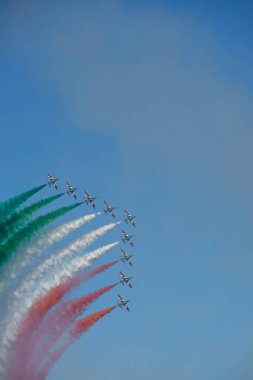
[147, 104]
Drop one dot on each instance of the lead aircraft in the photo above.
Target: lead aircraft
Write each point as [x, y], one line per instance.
[123, 303]
[52, 181]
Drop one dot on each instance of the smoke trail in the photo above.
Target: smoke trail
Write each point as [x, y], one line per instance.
[21, 306]
[18, 219]
[56, 260]
[49, 332]
[7, 207]
[74, 282]
[84, 324]
[24, 302]
[40, 308]
[79, 328]
[38, 317]
[30, 230]
[32, 249]
[53, 297]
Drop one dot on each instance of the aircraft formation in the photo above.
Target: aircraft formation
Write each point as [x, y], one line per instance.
[108, 210]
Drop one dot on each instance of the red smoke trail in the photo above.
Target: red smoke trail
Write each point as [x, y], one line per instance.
[54, 325]
[38, 312]
[84, 324]
[90, 274]
[78, 329]
[49, 300]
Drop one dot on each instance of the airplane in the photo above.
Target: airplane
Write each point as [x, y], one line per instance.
[123, 303]
[71, 190]
[126, 257]
[129, 218]
[125, 280]
[109, 209]
[127, 238]
[89, 199]
[52, 181]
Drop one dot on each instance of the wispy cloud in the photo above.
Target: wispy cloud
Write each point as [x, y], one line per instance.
[151, 78]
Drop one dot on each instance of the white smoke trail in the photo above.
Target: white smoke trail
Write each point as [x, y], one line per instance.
[56, 258]
[22, 304]
[36, 246]
[70, 270]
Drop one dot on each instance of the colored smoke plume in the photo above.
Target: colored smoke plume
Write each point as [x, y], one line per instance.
[19, 218]
[9, 206]
[53, 327]
[32, 249]
[26, 233]
[78, 329]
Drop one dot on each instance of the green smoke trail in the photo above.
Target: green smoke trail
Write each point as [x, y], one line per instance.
[27, 232]
[19, 218]
[9, 206]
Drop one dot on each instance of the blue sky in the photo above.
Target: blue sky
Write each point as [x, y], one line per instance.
[149, 105]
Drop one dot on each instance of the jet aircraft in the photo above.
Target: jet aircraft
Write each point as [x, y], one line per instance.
[88, 199]
[125, 280]
[123, 303]
[127, 238]
[52, 181]
[71, 190]
[109, 209]
[126, 257]
[129, 218]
